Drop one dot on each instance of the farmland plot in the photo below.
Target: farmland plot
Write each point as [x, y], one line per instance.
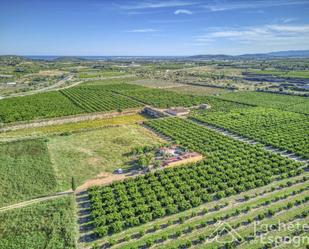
[42, 105]
[163, 98]
[278, 101]
[230, 167]
[26, 171]
[98, 100]
[68, 128]
[281, 129]
[49, 224]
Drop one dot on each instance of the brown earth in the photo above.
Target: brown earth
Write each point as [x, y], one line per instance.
[103, 178]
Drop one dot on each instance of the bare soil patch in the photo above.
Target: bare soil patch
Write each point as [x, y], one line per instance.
[103, 178]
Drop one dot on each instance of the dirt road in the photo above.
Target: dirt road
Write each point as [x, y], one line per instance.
[36, 200]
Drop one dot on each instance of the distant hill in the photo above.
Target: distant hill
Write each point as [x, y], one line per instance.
[258, 56]
[69, 59]
[55, 58]
[279, 54]
[212, 57]
[291, 53]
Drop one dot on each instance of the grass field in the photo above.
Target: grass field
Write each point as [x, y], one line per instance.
[85, 155]
[70, 127]
[278, 101]
[25, 171]
[50, 224]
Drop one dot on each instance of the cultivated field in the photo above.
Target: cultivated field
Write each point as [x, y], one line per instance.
[230, 167]
[67, 128]
[100, 74]
[26, 171]
[283, 200]
[278, 101]
[198, 90]
[42, 105]
[85, 168]
[51, 224]
[280, 129]
[108, 81]
[94, 100]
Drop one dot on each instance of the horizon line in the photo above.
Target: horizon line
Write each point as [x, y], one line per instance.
[51, 55]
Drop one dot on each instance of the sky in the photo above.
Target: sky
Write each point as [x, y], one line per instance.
[152, 27]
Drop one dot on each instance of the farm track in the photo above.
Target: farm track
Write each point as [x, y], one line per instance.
[233, 135]
[36, 200]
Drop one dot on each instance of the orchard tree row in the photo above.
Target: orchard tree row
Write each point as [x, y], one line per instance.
[163, 98]
[271, 100]
[230, 167]
[42, 105]
[285, 130]
[99, 100]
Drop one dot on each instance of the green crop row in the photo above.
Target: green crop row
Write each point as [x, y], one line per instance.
[271, 100]
[281, 129]
[230, 167]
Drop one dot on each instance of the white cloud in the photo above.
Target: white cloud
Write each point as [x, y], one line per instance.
[157, 4]
[254, 4]
[183, 11]
[253, 39]
[258, 35]
[289, 28]
[142, 30]
[288, 20]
